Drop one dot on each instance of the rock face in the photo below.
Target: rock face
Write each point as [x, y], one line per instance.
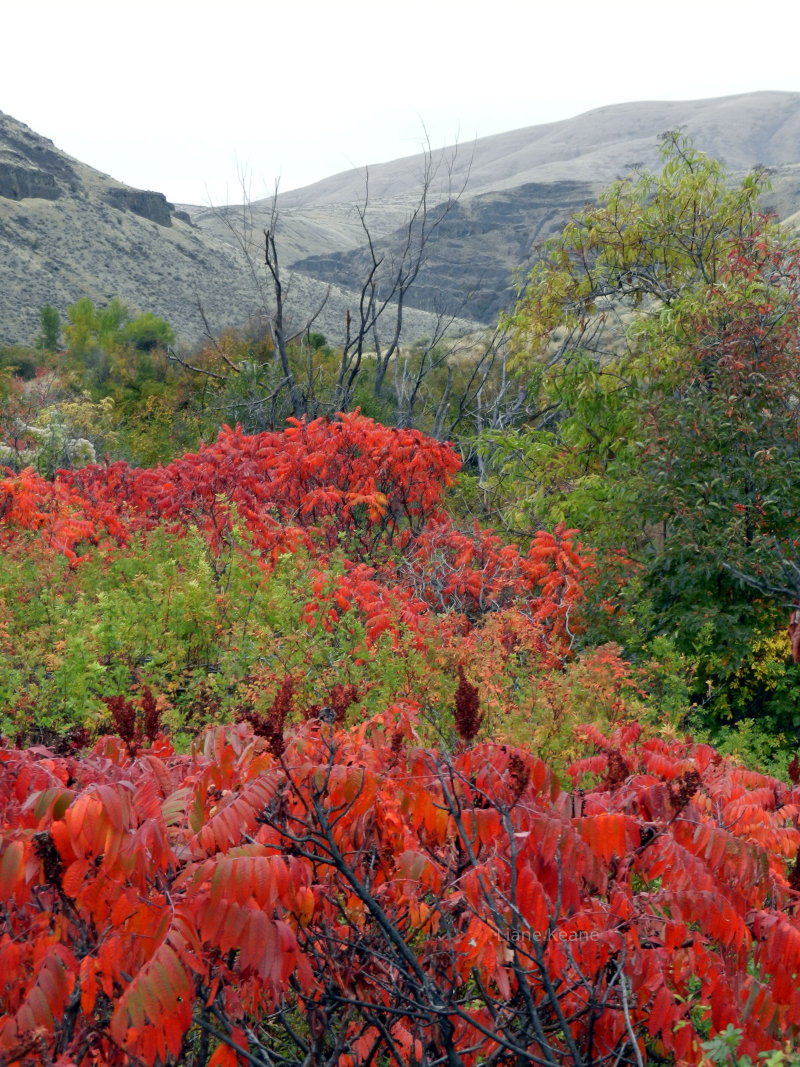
[27, 183]
[481, 243]
[152, 206]
[30, 167]
[67, 231]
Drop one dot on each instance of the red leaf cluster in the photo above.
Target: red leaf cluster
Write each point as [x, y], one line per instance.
[270, 725]
[393, 902]
[346, 485]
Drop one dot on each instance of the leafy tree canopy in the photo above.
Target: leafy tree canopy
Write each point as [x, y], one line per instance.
[50, 322]
[660, 334]
[599, 320]
[112, 327]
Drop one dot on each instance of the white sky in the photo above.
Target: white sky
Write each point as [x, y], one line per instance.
[188, 96]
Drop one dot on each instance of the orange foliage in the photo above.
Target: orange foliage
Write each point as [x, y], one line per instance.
[395, 898]
[347, 485]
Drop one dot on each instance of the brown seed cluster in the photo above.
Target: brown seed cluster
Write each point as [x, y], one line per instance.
[135, 724]
[794, 770]
[270, 724]
[519, 773]
[618, 769]
[683, 789]
[339, 700]
[468, 715]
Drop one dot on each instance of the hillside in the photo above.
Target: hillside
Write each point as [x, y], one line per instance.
[68, 231]
[520, 186]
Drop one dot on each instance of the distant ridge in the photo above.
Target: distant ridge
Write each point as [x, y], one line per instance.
[68, 231]
[595, 146]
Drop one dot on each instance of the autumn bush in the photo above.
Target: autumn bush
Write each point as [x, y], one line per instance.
[345, 894]
[314, 774]
[323, 553]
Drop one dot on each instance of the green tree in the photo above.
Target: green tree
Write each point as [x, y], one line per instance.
[594, 325]
[147, 331]
[50, 324]
[722, 447]
[110, 323]
[81, 328]
[720, 420]
[91, 328]
[660, 334]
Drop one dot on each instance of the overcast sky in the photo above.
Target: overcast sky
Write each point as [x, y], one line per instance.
[189, 96]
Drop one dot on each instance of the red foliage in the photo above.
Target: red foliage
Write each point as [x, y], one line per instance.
[395, 901]
[320, 482]
[349, 485]
[148, 894]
